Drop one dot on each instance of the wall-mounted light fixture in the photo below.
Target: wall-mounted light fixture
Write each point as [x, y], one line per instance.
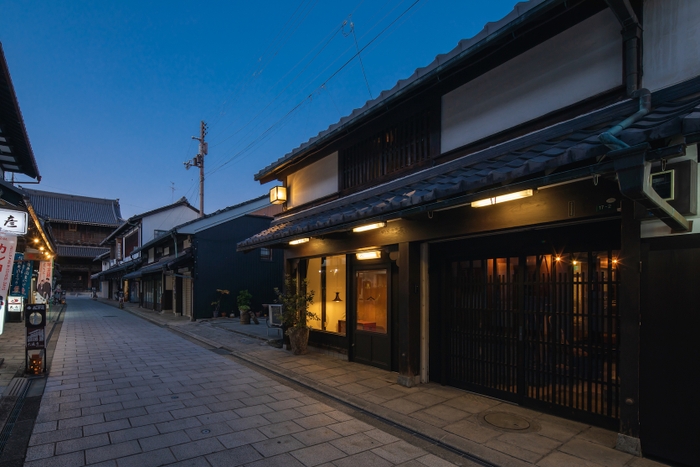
[278, 194]
[299, 241]
[364, 228]
[502, 199]
[370, 254]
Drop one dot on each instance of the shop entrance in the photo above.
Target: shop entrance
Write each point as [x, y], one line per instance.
[537, 329]
[371, 341]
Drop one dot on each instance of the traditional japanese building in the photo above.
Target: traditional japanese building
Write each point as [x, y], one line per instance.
[77, 225]
[519, 219]
[194, 259]
[124, 246]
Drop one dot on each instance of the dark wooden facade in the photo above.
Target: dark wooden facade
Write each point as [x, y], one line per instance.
[219, 266]
[558, 301]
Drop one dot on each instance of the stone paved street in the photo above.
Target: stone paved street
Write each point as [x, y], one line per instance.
[125, 392]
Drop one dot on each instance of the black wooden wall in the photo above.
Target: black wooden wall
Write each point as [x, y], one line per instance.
[219, 266]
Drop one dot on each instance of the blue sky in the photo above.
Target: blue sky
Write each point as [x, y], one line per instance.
[112, 92]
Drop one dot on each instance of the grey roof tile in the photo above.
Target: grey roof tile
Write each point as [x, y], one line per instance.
[75, 209]
[495, 165]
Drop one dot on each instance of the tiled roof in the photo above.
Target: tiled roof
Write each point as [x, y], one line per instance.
[520, 13]
[75, 209]
[133, 220]
[573, 143]
[15, 147]
[80, 251]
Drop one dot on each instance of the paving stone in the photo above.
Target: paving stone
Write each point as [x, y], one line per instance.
[280, 429]
[350, 427]
[125, 413]
[197, 448]
[74, 459]
[39, 452]
[364, 459]
[106, 427]
[150, 459]
[279, 445]
[315, 421]
[356, 443]
[398, 452]
[112, 451]
[81, 421]
[181, 424]
[81, 444]
[596, 453]
[431, 460]
[318, 454]
[133, 433]
[234, 457]
[316, 436]
[55, 436]
[164, 441]
[282, 460]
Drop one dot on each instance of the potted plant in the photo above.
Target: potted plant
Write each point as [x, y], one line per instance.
[243, 301]
[217, 302]
[295, 300]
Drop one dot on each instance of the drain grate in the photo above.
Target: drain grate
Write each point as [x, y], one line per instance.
[17, 388]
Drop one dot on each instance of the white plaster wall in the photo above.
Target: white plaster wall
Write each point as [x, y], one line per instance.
[313, 181]
[578, 63]
[671, 42]
[165, 220]
[656, 228]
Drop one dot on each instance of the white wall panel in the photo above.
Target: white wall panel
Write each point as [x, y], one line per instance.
[671, 42]
[313, 181]
[581, 62]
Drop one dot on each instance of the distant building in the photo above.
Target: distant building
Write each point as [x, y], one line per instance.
[183, 268]
[124, 244]
[77, 226]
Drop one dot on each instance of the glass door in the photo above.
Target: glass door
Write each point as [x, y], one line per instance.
[371, 325]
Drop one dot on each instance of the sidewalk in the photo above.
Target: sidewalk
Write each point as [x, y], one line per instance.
[494, 431]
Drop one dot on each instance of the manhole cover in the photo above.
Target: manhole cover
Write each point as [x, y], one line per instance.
[507, 421]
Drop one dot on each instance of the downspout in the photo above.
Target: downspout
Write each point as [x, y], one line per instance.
[634, 171]
[172, 234]
[632, 39]
[609, 138]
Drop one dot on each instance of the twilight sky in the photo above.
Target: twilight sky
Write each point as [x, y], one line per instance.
[112, 91]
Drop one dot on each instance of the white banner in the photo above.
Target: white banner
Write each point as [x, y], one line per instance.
[44, 283]
[8, 245]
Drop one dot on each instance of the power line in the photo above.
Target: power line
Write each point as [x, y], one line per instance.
[307, 98]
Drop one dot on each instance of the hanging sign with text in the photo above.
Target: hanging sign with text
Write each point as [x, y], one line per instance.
[13, 222]
[8, 245]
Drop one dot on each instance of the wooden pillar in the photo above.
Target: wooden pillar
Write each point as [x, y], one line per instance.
[409, 314]
[629, 303]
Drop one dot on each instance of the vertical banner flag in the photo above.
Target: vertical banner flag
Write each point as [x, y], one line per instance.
[8, 244]
[44, 283]
[21, 277]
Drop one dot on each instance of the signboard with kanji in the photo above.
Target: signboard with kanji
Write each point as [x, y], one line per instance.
[13, 222]
[8, 244]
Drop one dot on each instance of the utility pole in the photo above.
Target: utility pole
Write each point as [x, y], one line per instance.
[198, 161]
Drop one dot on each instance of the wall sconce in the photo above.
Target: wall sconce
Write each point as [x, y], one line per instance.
[337, 297]
[278, 195]
[502, 199]
[299, 241]
[364, 228]
[372, 254]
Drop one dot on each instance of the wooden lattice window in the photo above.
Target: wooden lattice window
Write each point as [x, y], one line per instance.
[394, 149]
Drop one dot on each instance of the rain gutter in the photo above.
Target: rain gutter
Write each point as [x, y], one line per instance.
[634, 171]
